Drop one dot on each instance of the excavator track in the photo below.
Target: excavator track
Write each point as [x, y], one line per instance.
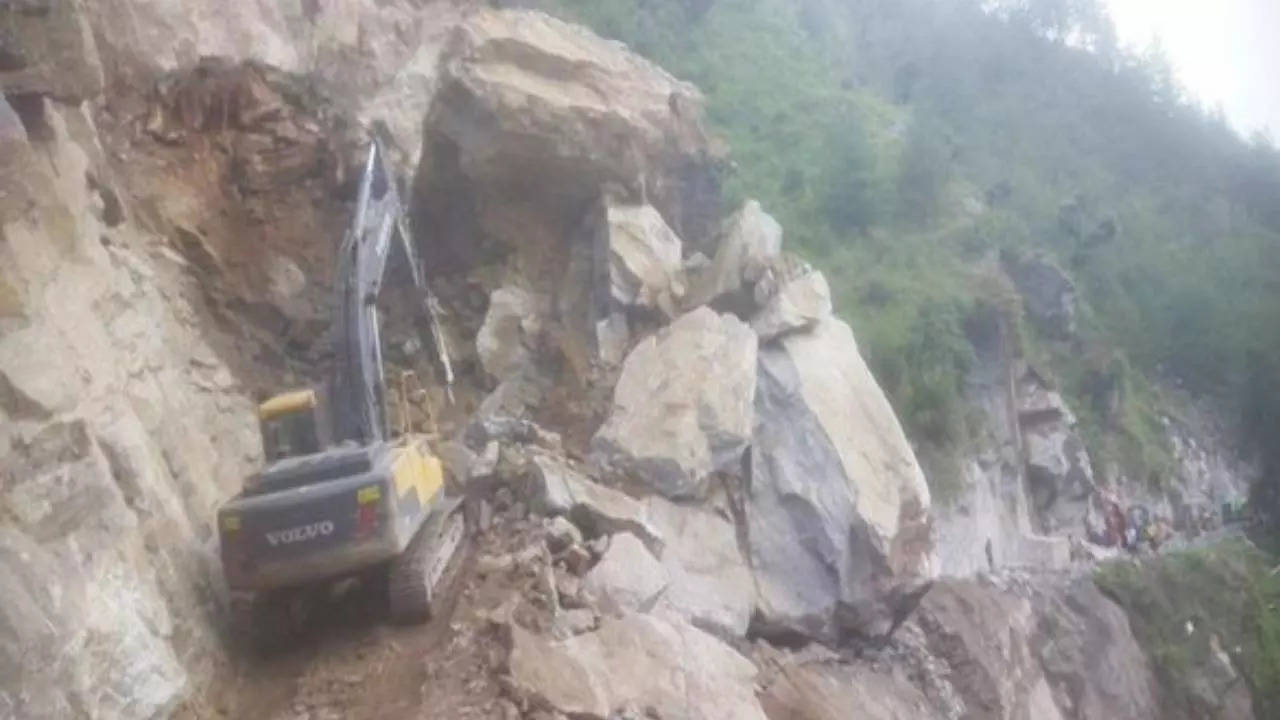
[420, 579]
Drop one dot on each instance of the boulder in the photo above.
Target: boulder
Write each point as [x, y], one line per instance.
[506, 339]
[534, 108]
[643, 257]
[627, 263]
[838, 510]
[798, 304]
[748, 241]
[661, 664]
[598, 510]
[627, 578]
[562, 534]
[709, 581]
[682, 405]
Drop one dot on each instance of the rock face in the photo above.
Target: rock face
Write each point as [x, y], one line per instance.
[837, 516]
[830, 690]
[111, 396]
[641, 661]
[1047, 292]
[1059, 651]
[682, 406]
[1059, 472]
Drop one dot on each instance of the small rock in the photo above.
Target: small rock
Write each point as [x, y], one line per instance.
[577, 559]
[508, 710]
[599, 546]
[561, 534]
[569, 587]
[797, 305]
[573, 622]
[628, 577]
[486, 463]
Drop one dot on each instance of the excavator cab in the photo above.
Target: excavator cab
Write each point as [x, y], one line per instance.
[290, 425]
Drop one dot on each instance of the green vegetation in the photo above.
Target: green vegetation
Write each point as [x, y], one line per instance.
[904, 144]
[1227, 590]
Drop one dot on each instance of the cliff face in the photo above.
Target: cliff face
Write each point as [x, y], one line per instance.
[163, 250]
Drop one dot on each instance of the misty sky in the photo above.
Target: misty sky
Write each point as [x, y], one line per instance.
[1225, 52]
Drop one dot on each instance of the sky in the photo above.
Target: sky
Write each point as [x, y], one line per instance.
[1224, 52]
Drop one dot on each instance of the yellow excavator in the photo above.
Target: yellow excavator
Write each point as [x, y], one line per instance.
[341, 495]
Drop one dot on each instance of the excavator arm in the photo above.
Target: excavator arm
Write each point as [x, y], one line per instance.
[357, 401]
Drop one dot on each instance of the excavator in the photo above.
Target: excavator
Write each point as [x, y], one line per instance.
[341, 495]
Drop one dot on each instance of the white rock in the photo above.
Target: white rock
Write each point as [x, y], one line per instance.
[682, 406]
[644, 258]
[599, 510]
[561, 534]
[627, 578]
[798, 305]
[710, 583]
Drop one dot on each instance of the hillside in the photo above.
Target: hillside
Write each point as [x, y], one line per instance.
[909, 146]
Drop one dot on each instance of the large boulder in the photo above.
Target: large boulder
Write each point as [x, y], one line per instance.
[682, 405]
[636, 661]
[838, 510]
[709, 582]
[535, 109]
